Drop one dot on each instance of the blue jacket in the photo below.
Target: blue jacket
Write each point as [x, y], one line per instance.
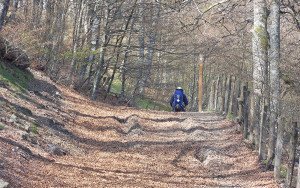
[182, 99]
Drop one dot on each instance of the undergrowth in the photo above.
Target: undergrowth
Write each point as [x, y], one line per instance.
[145, 103]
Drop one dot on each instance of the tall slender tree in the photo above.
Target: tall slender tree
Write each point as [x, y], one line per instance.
[4, 5]
[102, 51]
[274, 59]
[260, 55]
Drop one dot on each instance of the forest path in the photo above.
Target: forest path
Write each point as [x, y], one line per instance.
[131, 148]
[115, 146]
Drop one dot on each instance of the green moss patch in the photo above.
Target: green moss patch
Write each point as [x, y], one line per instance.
[14, 77]
[33, 128]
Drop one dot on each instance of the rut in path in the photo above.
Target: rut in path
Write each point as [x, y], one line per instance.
[190, 150]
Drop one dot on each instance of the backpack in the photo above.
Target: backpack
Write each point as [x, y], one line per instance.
[178, 100]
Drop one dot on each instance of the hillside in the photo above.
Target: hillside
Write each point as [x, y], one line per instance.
[53, 137]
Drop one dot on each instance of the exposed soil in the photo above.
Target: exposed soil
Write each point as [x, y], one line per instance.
[113, 146]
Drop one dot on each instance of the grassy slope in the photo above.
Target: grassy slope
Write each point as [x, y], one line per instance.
[14, 77]
[18, 80]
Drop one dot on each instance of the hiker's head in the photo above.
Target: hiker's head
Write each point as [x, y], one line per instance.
[179, 88]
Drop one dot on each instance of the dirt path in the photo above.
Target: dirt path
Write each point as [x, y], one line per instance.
[110, 146]
[159, 150]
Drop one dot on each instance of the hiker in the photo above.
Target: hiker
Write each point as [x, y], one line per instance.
[178, 100]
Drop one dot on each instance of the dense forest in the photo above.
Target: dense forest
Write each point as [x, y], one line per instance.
[136, 52]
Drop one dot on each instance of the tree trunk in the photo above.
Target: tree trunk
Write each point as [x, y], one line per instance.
[274, 58]
[86, 69]
[15, 9]
[40, 12]
[220, 94]
[124, 73]
[146, 60]
[263, 132]
[291, 153]
[236, 94]
[205, 85]
[126, 55]
[260, 49]
[76, 35]
[3, 11]
[217, 89]
[113, 74]
[25, 6]
[227, 95]
[223, 92]
[298, 177]
[139, 89]
[48, 34]
[232, 97]
[120, 47]
[212, 96]
[194, 87]
[37, 10]
[246, 110]
[58, 29]
[278, 149]
[102, 51]
[240, 116]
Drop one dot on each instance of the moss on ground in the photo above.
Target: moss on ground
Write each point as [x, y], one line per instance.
[14, 77]
[33, 128]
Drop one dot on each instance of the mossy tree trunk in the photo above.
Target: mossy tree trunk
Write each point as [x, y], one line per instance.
[260, 55]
